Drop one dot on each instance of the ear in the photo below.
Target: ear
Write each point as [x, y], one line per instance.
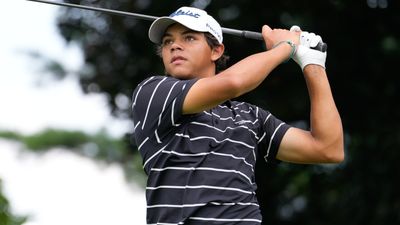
[217, 52]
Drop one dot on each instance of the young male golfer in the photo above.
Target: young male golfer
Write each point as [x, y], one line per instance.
[199, 147]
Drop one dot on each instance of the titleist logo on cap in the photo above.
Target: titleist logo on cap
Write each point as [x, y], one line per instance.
[190, 17]
[184, 13]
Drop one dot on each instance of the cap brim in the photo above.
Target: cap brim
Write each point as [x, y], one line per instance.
[158, 27]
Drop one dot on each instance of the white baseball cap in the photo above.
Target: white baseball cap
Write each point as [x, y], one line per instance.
[192, 18]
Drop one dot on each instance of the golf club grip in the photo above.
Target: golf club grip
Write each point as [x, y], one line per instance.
[321, 46]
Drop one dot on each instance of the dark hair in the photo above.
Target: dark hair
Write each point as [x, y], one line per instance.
[220, 64]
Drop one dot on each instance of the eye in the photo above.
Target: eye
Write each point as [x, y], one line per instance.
[166, 42]
[189, 38]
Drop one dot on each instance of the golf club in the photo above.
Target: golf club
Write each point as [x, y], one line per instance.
[241, 33]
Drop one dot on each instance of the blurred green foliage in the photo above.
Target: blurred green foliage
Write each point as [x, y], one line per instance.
[100, 146]
[6, 216]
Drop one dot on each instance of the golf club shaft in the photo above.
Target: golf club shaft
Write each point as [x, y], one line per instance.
[241, 33]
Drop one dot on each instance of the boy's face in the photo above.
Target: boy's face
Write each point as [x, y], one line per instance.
[186, 54]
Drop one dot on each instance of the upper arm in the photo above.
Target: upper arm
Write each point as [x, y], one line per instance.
[299, 146]
[207, 93]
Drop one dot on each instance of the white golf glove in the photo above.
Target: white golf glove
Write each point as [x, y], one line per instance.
[304, 54]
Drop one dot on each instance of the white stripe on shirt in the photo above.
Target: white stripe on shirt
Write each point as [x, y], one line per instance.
[202, 204]
[154, 155]
[208, 153]
[225, 220]
[270, 141]
[143, 142]
[214, 139]
[165, 102]
[203, 168]
[227, 128]
[200, 187]
[140, 88]
[151, 99]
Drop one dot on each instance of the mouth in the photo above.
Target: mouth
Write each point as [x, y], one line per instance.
[177, 59]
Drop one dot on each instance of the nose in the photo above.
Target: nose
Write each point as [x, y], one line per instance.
[176, 46]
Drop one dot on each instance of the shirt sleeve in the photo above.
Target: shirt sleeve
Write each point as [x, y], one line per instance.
[272, 130]
[157, 107]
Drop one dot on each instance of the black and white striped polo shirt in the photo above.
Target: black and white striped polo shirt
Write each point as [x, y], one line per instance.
[200, 167]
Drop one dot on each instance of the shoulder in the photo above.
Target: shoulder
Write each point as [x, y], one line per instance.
[160, 91]
[149, 81]
[148, 85]
[163, 81]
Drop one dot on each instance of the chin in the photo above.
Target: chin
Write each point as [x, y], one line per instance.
[181, 75]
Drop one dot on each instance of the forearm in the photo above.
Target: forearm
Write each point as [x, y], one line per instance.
[248, 73]
[326, 125]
